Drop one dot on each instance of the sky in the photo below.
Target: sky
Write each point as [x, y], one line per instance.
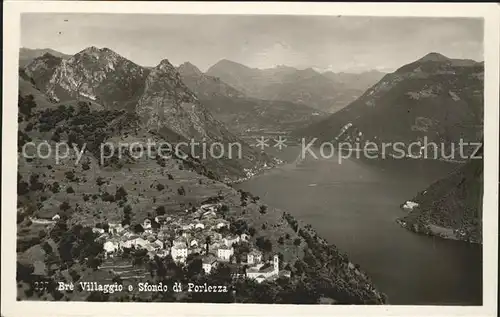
[326, 43]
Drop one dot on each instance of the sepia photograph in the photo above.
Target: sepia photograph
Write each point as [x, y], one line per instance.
[245, 157]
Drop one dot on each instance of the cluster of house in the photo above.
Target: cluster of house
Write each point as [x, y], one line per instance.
[201, 232]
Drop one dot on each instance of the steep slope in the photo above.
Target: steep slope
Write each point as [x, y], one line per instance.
[434, 97]
[157, 95]
[168, 103]
[27, 87]
[240, 113]
[308, 87]
[27, 55]
[100, 75]
[451, 207]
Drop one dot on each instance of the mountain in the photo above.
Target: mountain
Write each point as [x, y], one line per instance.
[305, 86]
[42, 68]
[27, 55]
[243, 114]
[66, 204]
[434, 97]
[167, 104]
[247, 116]
[158, 96]
[451, 207]
[205, 86]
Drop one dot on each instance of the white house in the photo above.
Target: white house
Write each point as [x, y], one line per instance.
[225, 253]
[209, 262]
[199, 225]
[56, 217]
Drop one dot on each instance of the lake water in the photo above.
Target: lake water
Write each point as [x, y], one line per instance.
[354, 205]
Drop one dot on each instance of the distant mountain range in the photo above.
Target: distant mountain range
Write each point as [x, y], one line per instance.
[158, 96]
[243, 114]
[434, 97]
[327, 92]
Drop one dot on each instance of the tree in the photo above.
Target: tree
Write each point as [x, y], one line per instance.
[100, 181]
[121, 193]
[297, 241]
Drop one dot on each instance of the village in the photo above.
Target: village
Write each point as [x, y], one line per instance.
[201, 231]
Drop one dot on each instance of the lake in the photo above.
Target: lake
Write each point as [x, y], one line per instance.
[354, 205]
